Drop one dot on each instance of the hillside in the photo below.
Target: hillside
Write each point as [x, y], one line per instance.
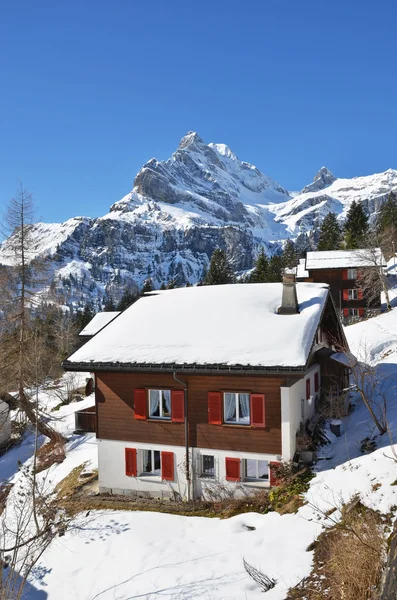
[195, 557]
[179, 211]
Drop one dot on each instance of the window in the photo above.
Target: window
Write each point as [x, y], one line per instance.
[207, 467]
[353, 312]
[160, 404]
[237, 408]
[353, 294]
[256, 469]
[352, 273]
[151, 462]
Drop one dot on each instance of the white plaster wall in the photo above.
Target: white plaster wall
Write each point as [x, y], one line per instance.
[5, 423]
[111, 468]
[207, 488]
[295, 409]
[111, 460]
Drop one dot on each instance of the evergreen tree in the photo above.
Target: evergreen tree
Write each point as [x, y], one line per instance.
[275, 268]
[387, 217]
[290, 255]
[356, 226]
[127, 299]
[147, 286]
[84, 317]
[386, 226]
[303, 245]
[260, 273]
[220, 270]
[163, 286]
[330, 233]
[109, 305]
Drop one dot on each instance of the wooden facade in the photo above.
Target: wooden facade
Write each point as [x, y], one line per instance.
[116, 415]
[340, 284]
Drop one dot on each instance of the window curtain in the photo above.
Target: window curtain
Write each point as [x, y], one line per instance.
[230, 407]
[166, 394]
[244, 407]
[147, 461]
[154, 403]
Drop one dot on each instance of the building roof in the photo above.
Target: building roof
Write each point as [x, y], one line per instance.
[98, 322]
[230, 325]
[301, 272]
[344, 259]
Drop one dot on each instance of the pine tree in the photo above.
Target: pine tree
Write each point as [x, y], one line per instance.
[127, 299]
[147, 286]
[275, 268]
[260, 273]
[290, 255]
[303, 245]
[109, 305]
[356, 226]
[386, 225]
[330, 233]
[220, 270]
[85, 316]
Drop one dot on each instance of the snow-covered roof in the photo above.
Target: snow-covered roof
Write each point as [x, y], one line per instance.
[228, 325]
[344, 259]
[98, 322]
[301, 269]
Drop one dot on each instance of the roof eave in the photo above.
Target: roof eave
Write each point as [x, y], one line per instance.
[219, 369]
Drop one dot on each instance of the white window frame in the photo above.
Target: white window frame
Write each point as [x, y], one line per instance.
[353, 294]
[149, 473]
[161, 415]
[352, 273]
[257, 478]
[353, 312]
[204, 475]
[238, 421]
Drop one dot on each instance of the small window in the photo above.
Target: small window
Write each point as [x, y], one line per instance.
[151, 462]
[207, 468]
[237, 408]
[353, 294]
[352, 273]
[353, 312]
[160, 404]
[256, 469]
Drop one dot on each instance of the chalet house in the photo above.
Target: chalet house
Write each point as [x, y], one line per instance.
[202, 386]
[342, 270]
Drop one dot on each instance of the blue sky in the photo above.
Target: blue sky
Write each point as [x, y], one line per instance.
[92, 90]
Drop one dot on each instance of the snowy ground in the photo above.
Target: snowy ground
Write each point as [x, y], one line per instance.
[126, 555]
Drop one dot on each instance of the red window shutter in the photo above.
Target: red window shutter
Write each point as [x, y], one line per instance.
[140, 404]
[344, 274]
[316, 386]
[167, 466]
[360, 294]
[273, 479]
[361, 312]
[258, 410]
[308, 388]
[215, 408]
[232, 469]
[130, 462]
[345, 294]
[345, 312]
[177, 406]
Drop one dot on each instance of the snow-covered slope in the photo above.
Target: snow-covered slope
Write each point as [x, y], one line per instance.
[179, 211]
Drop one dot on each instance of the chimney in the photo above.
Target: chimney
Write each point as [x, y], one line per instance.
[289, 302]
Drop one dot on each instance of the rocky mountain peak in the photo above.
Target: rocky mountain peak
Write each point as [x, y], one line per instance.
[322, 179]
[190, 139]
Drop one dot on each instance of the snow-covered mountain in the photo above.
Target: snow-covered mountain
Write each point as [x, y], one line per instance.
[179, 211]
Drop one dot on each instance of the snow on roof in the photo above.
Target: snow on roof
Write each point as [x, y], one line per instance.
[233, 324]
[344, 259]
[301, 269]
[98, 322]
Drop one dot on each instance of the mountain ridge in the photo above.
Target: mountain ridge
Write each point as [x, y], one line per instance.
[179, 210]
